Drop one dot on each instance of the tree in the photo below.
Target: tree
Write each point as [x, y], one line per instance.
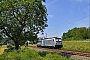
[21, 19]
[77, 34]
[88, 32]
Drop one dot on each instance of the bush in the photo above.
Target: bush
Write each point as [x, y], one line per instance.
[42, 54]
[54, 56]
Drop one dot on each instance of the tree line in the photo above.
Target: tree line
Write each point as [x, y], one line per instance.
[81, 33]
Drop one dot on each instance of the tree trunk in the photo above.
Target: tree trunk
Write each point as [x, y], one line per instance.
[16, 45]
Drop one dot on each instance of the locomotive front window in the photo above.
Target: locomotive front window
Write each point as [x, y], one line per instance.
[57, 40]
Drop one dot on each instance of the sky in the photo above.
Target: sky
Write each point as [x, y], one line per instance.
[64, 15]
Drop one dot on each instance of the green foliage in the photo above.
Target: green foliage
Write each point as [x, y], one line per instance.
[53, 56]
[26, 54]
[43, 54]
[29, 54]
[0, 36]
[22, 20]
[77, 34]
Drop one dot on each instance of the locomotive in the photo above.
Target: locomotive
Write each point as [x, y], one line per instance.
[53, 42]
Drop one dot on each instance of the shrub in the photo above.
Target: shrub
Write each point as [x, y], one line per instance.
[43, 54]
[54, 56]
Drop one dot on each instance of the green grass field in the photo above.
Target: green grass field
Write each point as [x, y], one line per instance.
[83, 46]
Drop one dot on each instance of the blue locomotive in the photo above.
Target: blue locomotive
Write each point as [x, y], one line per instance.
[53, 42]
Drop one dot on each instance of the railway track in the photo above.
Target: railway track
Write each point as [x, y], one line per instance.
[67, 53]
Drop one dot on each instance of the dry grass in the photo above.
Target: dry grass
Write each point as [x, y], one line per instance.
[32, 45]
[2, 49]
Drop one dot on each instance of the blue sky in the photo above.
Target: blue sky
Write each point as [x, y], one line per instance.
[66, 14]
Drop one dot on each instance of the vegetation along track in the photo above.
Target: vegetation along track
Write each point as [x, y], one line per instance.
[67, 53]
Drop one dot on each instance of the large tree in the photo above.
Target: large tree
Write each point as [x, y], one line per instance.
[22, 19]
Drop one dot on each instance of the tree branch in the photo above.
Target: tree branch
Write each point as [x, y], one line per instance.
[17, 18]
[7, 33]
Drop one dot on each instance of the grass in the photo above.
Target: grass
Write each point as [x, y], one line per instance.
[32, 45]
[2, 49]
[30, 54]
[83, 46]
[76, 45]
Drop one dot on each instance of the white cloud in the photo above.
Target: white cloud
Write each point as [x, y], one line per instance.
[88, 1]
[77, 0]
[52, 2]
[50, 15]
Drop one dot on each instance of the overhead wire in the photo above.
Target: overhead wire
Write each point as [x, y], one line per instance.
[74, 21]
[82, 14]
